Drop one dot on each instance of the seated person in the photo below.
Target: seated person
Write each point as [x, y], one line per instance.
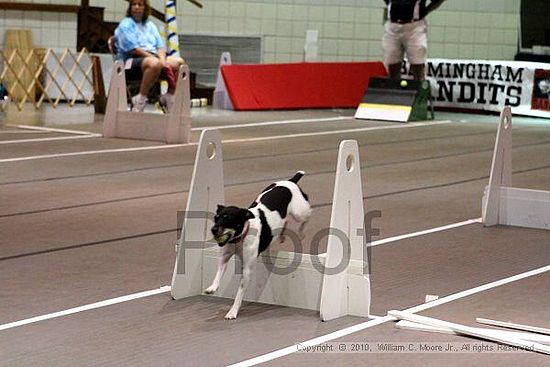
[142, 49]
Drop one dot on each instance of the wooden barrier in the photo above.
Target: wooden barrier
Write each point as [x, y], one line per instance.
[20, 40]
[39, 75]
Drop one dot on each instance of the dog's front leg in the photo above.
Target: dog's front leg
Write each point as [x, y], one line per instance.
[226, 254]
[250, 252]
[245, 280]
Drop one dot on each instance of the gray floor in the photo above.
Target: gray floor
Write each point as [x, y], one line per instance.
[86, 227]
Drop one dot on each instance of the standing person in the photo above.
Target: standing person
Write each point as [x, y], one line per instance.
[406, 30]
[144, 52]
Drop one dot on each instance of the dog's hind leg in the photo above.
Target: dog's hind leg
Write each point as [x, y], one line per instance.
[227, 252]
[302, 219]
[300, 210]
[301, 232]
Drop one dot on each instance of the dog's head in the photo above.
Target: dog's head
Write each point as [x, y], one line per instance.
[229, 223]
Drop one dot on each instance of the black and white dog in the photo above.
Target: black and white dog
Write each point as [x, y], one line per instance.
[254, 228]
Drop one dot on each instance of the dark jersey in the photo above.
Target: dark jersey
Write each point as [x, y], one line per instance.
[403, 11]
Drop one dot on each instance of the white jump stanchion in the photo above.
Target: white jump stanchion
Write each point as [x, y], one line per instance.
[173, 127]
[501, 169]
[292, 279]
[205, 193]
[504, 204]
[346, 292]
[221, 99]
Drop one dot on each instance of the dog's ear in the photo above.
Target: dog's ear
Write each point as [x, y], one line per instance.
[248, 214]
[220, 208]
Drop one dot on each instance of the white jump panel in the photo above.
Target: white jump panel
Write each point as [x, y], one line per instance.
[281, 278]
[371, 111]
[173, 127]
[299, 288]
[524, 208]
[504, 204]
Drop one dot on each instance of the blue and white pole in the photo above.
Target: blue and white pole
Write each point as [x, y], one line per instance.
[172, 39]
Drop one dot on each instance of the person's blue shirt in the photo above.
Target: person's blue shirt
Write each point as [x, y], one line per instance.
[131, 35]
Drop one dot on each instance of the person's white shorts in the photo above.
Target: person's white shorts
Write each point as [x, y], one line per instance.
[410, 37]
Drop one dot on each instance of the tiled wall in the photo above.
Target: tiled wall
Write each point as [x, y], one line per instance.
[348, 29]
[48, 29]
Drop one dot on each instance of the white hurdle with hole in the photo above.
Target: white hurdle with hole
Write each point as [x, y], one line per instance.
[333, 293]
[173, 127]
[507, 205]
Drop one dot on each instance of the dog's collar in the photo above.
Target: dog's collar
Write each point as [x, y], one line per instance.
[243, 233]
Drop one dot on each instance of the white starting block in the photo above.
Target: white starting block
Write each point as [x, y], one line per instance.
[504, 204]
[299, 280]
[173, 127]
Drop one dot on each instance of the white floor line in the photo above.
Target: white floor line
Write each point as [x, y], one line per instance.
[92, 152]
[267, 123]
[169, 146]
[22, 132]
[368, 324]
[375, 317]
[427, 231]
[331, 132]
[91, 306]
[50, 129]
[51, 139]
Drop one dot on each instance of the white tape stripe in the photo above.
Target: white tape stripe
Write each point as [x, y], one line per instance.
[266, 123]
[91, 306]
[50, 139]
[22, 132]
[51, 129]
[427, 231]
[368, 324]
[320, 133]
[332, 132]
[92, 152]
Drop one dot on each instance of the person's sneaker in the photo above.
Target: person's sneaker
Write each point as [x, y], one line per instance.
[138, 104]
[167, 102]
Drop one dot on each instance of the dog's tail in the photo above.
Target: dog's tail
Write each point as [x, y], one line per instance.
[297, 177]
